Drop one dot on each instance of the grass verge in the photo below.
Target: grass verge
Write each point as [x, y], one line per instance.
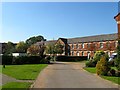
[90, 69]
[110, 78]
[16, 86]
[23, 72]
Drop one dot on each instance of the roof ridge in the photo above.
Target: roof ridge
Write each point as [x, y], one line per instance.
[93, 36]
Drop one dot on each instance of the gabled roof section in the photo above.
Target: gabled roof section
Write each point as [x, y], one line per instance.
[104, 37]
[64, 40]
[117, 15]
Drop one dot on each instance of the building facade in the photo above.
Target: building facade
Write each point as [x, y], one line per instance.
[87, 46]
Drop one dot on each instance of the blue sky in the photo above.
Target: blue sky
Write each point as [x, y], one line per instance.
[22, 20]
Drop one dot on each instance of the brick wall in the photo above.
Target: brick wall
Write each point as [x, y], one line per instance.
[91, 47]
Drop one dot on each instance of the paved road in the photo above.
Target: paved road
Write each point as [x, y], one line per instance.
[70, 75]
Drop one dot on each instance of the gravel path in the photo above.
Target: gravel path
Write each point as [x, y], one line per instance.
[69, 75]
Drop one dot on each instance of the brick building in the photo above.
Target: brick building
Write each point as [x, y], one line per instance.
[117, 18]
[87, 46]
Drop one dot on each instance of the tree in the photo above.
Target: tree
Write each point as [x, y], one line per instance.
[9, 48]
[98, 55]
[21, 47]
[49, 49]
[117, 61]
[33, 40]
[36, 50]
[58, 48]
[33, 50]
[54, 48]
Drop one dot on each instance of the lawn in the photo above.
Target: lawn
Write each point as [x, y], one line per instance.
[110, 78]
[23, 72]
[90, 69]
[16, 86]
[0, 68]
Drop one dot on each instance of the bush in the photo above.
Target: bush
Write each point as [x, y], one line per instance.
[111, 72]
[117, 73]
[117, 61]
[26, 60]
[48, 57]
[98, 55]
[44, 61]
[7, 60]
[102, 67]
[90, 63]
[71, 58]
[112, 63]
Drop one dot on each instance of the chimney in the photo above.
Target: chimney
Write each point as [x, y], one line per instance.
[117, 18]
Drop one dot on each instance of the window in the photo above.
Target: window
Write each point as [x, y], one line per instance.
[72, 46]
[76, 46]
[88, 54]
[78, 54]
[116, 44]
[101, 45]
[108, 44]
[82, 45]
[72, 53]
[88, 45]
[82, 53]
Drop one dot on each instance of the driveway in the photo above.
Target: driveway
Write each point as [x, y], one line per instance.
[70, 75]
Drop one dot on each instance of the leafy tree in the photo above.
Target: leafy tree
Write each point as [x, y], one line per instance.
[58, 48]
[98, 55]
[50, 49]
[33, 40]
[117, 61]
[54, 48]
[33, 50]
[21, 47]
[9, 48]
[36, 50]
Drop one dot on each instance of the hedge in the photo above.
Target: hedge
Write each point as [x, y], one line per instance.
[9, 60]
[71, 58]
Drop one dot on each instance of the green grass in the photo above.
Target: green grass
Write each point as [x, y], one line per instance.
[110, 78]
[23, 72]
[16, 85]
[0, 68]
[90, 69]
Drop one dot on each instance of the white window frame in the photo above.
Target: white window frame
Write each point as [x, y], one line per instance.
[83, 45]
[101, 45]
